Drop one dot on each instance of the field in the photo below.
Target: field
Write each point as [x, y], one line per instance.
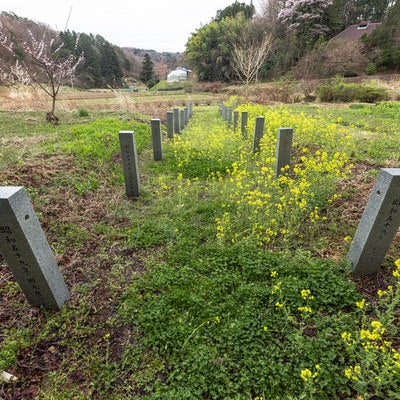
[219, 281]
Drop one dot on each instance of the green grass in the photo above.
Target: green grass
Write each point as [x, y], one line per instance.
[165, 307]
[375, 128]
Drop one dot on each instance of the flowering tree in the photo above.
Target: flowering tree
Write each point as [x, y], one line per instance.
[306, 16]
[45, 56]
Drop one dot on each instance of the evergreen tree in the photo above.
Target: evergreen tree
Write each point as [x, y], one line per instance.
[90, 72]
[234, 9]
[386, 39]
[111, 70]
[209, 50]
[147, 75]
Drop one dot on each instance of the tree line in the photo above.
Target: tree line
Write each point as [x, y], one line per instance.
[238, 44]
[298, 33]
[103, 64]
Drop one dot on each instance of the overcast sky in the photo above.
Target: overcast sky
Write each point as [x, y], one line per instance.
[161, 25]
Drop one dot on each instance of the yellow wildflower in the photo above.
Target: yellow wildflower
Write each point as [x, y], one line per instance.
[306, 374]
[360, 304]
[305, 309]
[376, 325]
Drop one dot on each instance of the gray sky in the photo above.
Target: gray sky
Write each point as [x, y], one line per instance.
[161, 25]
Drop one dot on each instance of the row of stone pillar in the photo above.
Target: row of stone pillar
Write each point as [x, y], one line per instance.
[29, 256]
[285, 136]
[178, 119]
[381, 218]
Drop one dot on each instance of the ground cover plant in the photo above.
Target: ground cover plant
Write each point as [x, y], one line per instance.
[218, 282]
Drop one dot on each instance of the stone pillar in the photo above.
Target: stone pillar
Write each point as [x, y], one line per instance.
[283, 149]
[176, 121]
[181, 119]
[224, 112]
[156, 139]
[129, 163]
[243, 126]
[170, 124]
[258, 133]
[229, 116]
[27, 252]
[186, 115]
[378, 225]
[235, 120]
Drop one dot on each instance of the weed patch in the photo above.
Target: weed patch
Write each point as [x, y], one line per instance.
[218, 281]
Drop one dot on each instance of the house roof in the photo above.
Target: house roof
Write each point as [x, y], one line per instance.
[354, 32]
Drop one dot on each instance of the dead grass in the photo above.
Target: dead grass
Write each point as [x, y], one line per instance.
[87, 258]
[153, 104]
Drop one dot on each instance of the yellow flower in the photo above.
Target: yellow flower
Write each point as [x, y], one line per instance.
[274, 274]
[265, 328]
[306, 374]
[347, 239]
[346, 336]
[305, 309]
[217, 319]
[278, 305]
[376, 325]
[360, 304]
[306, 294]
[353, 372]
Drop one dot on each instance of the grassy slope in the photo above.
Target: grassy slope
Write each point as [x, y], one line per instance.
[159, 307]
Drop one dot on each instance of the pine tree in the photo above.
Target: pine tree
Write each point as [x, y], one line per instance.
[147, 75]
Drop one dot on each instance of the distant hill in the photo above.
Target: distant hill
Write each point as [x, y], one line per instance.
[168, 58]
[105, 64]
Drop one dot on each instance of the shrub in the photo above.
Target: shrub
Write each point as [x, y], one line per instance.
[371, 69]
[347, 92]
[83, 113]
[338, 92]
[210, 87]
[350, 73]
[371, 94]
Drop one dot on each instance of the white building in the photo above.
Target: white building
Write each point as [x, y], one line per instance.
[177, 75]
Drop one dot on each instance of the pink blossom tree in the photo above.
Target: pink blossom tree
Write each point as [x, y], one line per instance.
[305, 16]
[41, 55]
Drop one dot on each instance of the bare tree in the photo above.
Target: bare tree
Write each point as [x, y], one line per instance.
[41, 55]
[249, 55]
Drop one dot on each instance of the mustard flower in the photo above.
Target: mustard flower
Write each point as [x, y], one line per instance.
[306, 294]
[360, 304]
[305, 309]
[306, 374]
